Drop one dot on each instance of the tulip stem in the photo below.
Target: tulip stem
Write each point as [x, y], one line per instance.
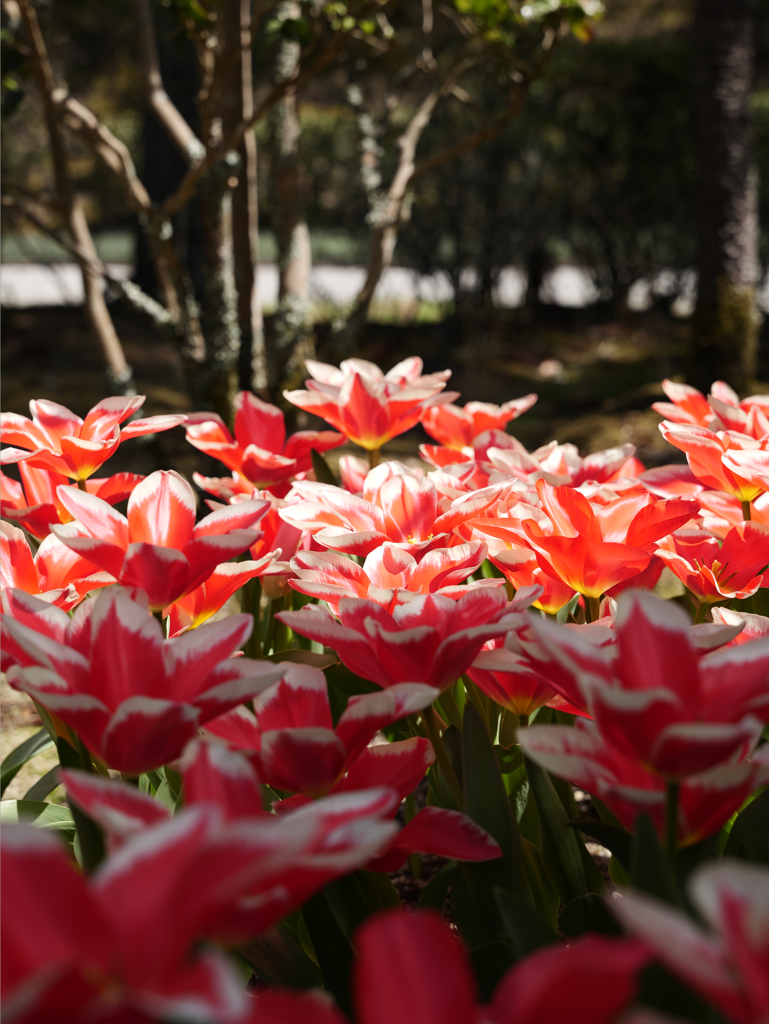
[373, 458]
[431, 721]
[702, 611]
[592, 609]
[746, 511]
[81, 486]
[671, 821]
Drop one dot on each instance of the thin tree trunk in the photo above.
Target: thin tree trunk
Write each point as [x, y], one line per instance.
[726, 319]
[293, 325]
[118, 370]
[238, 105]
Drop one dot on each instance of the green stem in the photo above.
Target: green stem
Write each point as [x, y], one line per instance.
[702, 611]
[409, 812]
[746, 511]
[450, 709]
[442, 757]
[671, 822]
[81, 486]
[592, 609]
[373, 457]
[523, 721]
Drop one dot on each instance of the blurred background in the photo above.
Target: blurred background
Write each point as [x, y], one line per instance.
[560, 196]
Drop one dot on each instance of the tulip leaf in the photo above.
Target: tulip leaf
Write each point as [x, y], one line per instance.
[53, 817]
[565, 613]
[559, 846]
[44, 785]
[525, 928]
[37, 744]
[356, 896]
[491, 962]
[749, 835]
[343, 684]
[323, 472]
[436, 892]
[335, 955]
[588, 914]
[89, 842]
[649, 868]
[614, 839]
[278, 959]
[299, 657]
[663, 992]
[546, 899]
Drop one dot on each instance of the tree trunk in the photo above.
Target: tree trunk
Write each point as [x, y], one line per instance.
[726, 319]
[293, 324]
[237, 106]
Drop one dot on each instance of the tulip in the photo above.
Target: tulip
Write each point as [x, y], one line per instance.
[592, 549]
[294, 745]
[410, 967]
[726, 960]
[512, 683]
[58, 440]
[200, 604]
[430, 640]
[55, 572]
[133, 697]
[751, 466]
[654, 699]
[705, 452]
[259, 454]
[367, 406]
[456, 427]
[389, 574]
[561, 464]
[751, 626]
[713, 571]
[35, 504]
[706, 800]
[521, 568]
[158, 547]
[405, 510]
[686, 405]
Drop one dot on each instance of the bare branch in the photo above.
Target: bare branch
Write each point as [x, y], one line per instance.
[183, 137]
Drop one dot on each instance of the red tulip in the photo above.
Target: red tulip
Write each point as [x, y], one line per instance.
[713, 571]
[200, 604]
[512, 683]
[406, 510]
[293, 742]
[456, 427]
[259, 453]
[686, 405]
[521, 568]
[133, 697]
[367, 406]
[34, 503]
[431, 639]
[55, 572]
[654, 699]
[727, 961]
[706, 451]
[410, 967]
[60, 441]
[389, 574]
[705, 802]
[752, 627]
[274, 532]
[158, 548]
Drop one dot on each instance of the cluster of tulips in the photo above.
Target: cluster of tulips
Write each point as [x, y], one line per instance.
[264, 712]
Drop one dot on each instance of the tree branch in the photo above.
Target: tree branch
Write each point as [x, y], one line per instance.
[183, 137]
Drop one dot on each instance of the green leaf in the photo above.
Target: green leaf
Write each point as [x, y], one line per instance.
[749, 835]
[44, 785]
[588, 914]
[649, 868]
[37, 813]
[323, 472]
[356, 896]
[89, 841]
[565, 613]
[30, 748]
[334, 952]
[558, 844]
[546, 899]
[525, 928]
[299, 657]
[491, 962]
[279, 960]
[342, 684]
[436, 892]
